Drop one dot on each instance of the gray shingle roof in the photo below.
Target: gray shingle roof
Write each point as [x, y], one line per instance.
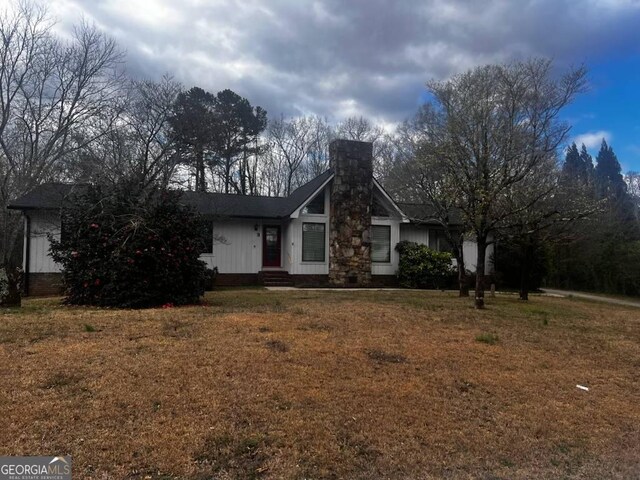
[52, 196]
[252, 206]
[48, 196]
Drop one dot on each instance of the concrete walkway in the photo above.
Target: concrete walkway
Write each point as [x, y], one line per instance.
[589, 296]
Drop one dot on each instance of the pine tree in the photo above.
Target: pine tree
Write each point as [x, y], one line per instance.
[238, 125]
[608, 176]
[577, 170]
[587, 164]
[193, 124]
[572, 168]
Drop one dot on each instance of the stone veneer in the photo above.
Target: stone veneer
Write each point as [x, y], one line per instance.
[350, 216]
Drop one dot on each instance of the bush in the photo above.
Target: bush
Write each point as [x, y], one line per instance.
[422, 267]
[119, 251]
[10, 286]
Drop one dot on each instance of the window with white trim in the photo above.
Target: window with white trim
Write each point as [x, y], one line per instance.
[380, 243]
[313, 242]
[315, 206]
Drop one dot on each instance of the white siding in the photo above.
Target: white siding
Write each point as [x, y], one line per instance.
[241, 250]
[293, 247]
[470, 253]
[42, 224]
[240, 253]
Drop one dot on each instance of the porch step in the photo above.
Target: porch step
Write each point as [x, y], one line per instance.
[276, 278]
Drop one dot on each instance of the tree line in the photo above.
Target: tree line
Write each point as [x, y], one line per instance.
[488, 152]
[69, 113]
[486, 148]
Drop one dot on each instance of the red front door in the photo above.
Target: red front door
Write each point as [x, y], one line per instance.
[271, 246]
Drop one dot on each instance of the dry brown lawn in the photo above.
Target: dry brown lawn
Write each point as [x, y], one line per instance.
[309, 384]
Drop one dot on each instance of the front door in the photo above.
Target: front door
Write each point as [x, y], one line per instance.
[271, 246]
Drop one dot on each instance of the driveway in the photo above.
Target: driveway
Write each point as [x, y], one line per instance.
[589, 296]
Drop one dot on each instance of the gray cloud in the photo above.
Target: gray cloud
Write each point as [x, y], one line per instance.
[337, 58]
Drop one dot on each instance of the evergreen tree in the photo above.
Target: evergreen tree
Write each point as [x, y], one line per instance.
[608, 174]
[587, 163]
[193, 127]
[578, 166]
[238, 125]
[572, 167]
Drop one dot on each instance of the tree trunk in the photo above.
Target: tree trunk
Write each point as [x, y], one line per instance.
[482, 253]
[524, 272]
[201, 185]
[203, 182]
[227, 174]
[463, 281]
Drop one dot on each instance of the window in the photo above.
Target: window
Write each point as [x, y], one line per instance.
[378, 209]
[315, 206]
[380, 243]
[438, 241]
[313, 242]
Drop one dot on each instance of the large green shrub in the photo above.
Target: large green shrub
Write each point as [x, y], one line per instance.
[422, 267]
[120, 250]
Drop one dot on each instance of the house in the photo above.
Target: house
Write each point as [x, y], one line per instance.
[339, 229]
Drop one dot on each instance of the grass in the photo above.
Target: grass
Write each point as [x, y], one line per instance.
[312, 384]
[488, 338]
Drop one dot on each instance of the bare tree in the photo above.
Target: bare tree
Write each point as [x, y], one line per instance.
[360, 129]
[56, 97]
[416, 174]
[633, 188]
[363, 130]
[321, 134]
[140, 146]
[493, 127]
[291, 142]
[273, 173]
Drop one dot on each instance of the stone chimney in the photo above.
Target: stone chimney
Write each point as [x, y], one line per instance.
[350, 216]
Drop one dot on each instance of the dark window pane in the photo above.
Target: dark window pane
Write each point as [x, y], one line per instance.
[315, 206]
[381, 243]
[313, 242]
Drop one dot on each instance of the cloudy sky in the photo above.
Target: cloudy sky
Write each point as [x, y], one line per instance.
[338, 58]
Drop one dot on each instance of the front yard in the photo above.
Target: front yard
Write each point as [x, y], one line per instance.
[312, 384]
